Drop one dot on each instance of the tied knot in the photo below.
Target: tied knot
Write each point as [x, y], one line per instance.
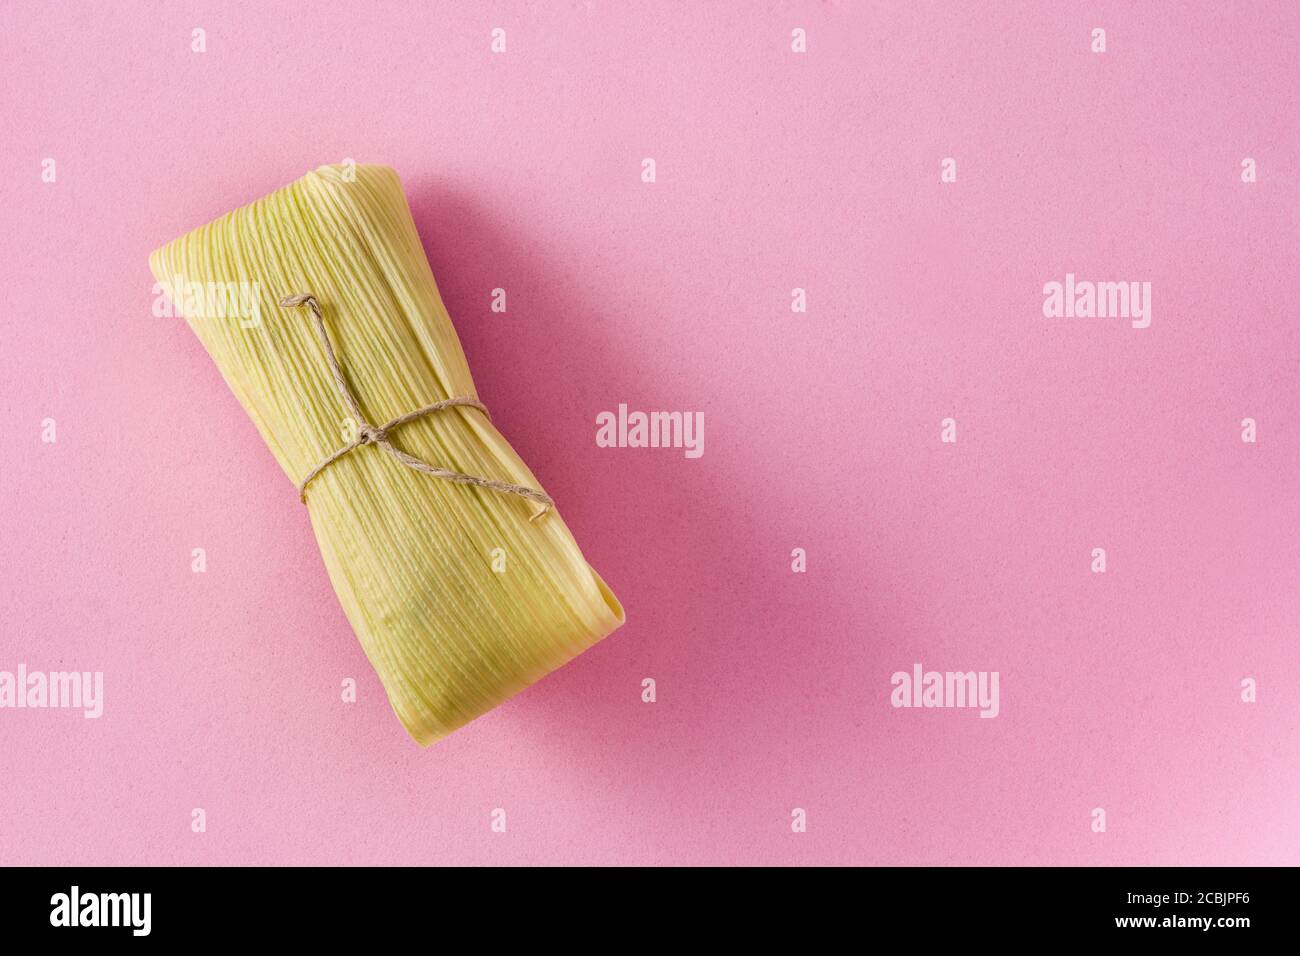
[368, 434]
[289, 301]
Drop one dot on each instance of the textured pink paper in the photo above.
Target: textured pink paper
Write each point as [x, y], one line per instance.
[775, 170]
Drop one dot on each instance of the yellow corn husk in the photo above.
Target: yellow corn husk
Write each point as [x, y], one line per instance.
[459, 601]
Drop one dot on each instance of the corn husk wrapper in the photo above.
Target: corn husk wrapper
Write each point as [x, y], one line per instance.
[416, 560]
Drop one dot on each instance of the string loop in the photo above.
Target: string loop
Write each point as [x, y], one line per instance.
[368, 434]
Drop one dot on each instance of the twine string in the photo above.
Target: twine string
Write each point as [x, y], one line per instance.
[368, 434]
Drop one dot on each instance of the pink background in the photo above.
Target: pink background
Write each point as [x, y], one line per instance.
[775, 170]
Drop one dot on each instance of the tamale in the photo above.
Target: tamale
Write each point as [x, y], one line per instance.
[458, 598]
